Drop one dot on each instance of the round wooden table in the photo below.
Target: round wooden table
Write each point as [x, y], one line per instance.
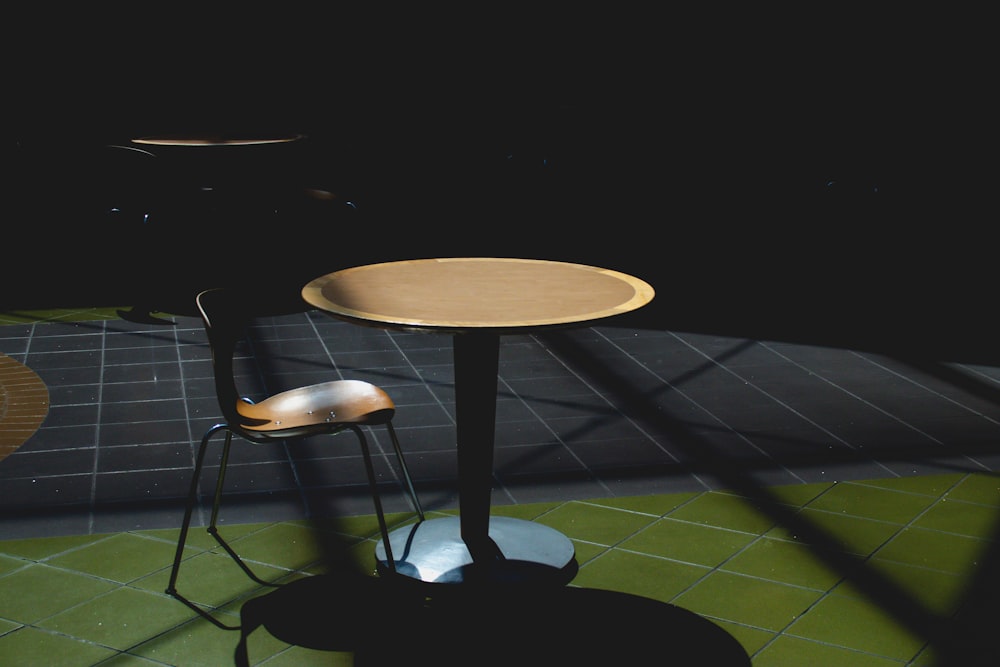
[215, 139]
[477, 299]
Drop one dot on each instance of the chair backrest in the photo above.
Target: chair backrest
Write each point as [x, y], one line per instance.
[226, 320]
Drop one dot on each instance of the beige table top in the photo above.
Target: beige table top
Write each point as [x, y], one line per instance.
[460, 294]
[214, 140]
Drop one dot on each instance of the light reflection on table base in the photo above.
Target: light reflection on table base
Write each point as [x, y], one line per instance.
[433, 551]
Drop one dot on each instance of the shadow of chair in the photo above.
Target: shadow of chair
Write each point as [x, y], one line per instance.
[316, 409]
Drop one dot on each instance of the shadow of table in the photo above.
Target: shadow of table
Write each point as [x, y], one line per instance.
[386, 622]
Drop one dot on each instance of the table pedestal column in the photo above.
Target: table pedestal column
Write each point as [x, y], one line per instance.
[475, 546]
[477, 360]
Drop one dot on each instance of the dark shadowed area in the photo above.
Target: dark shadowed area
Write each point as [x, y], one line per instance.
[771, 174]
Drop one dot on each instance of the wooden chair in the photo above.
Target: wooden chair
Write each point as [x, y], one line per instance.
[324, 408]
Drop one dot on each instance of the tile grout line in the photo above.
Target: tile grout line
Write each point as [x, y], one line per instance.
[91, 519]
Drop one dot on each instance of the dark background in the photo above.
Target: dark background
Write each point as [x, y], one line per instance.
[822, 173]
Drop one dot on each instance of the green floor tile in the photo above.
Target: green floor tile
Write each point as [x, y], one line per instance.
[586, 551]
[123, 557]
[126, 660]
[751, 639]
[940, 592]
[120, 619]
[981, 488]
[39, 591]
[688, 542]
[198, 643]
[936, 550]
[282, 545]
[785, 562]
[356, 527]
[747, 600]
[724, 510]
[656, 505]
[763, 586]
[28, 647]
[360, 556]
[848, 533]
[928, 658]
[297, 656]
[871, 502]
[198, 538]
[210, 579]
[964, 518]
[591, 523]
[59, 315]
[9, 564]
[798, 495]
[45, 547]
[638, 574]
[528, 512]
[792, 651]
[928, 485]
[859, 624]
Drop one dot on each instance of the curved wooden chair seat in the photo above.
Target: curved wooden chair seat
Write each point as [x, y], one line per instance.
[315, 409]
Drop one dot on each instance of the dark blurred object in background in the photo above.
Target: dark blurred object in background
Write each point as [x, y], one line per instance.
[832, 161]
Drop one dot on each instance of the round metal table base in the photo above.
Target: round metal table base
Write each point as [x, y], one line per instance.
[433, 551]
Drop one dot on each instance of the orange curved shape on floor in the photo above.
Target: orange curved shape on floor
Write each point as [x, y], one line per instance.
[24, 403]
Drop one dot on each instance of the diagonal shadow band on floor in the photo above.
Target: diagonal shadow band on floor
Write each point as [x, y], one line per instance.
[945, 634]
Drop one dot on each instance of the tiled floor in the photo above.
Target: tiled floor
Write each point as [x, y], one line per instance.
[823, 505]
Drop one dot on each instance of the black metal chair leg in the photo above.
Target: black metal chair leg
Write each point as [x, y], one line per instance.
[192, 500]
[213, 529]
[376, 497]
[414, 501]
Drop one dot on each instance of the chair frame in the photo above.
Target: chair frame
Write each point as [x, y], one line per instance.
[226, 323]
